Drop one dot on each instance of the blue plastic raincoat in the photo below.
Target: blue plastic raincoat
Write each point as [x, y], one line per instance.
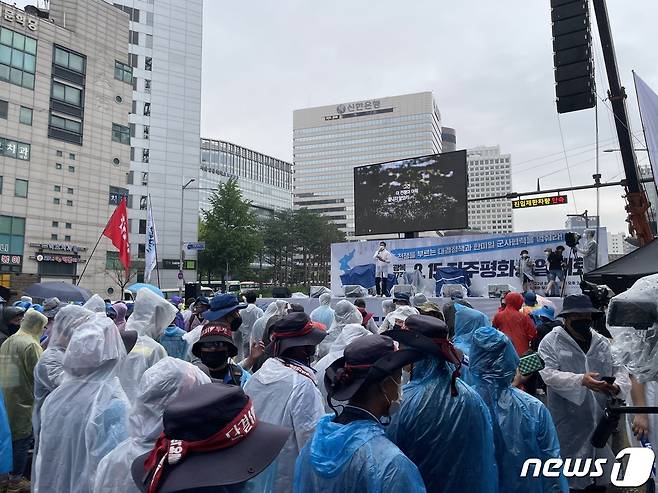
[449, 438]
[324, 314]
[467, 321]
[5, 439]
[354, 457]
[523, 427]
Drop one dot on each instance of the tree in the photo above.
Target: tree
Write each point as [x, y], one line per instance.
[231, 234]
[119, 275]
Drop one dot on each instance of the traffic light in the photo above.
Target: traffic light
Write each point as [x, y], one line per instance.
[572, 55]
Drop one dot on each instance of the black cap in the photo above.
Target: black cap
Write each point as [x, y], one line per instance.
[365, 360]
[197, 415]
[215, 333]
[401, 297]
[294, 330]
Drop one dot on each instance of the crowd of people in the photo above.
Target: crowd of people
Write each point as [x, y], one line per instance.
[220, 395]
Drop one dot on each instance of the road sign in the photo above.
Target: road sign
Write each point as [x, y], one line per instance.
[180, 275]
[539, 202]
[199, 245]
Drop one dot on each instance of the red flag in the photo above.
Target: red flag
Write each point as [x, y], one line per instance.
[117, 231]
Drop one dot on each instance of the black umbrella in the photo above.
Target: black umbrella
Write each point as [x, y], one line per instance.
[65, 291]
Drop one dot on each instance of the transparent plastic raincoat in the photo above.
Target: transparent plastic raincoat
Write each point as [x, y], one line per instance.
[576, 409]
[467, 321]
[86, 417]
[242, 337]
[282, 396]
[345, 313]
[95, 304]
[349, 333]
[523, 427]
[151, 316]
[354, 457]
[449, 438]
[324, 314]
[277, 307]
[49, 371]
[159, 385]
[400, 313]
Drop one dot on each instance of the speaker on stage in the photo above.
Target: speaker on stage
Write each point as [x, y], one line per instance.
[281, 292]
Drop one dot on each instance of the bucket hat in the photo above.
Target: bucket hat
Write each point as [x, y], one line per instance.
[577, 303]
[366, 360]
[404, 297]
[212, 437]
[218, 333]
[294, 330]
[51, 306]
[221, 305]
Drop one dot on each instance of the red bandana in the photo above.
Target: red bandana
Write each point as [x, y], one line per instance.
[171, 452]
[277, 337]
[216, 330]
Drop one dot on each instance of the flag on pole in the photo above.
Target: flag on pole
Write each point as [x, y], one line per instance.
[151, 244]
[117, 231]
[647, 100]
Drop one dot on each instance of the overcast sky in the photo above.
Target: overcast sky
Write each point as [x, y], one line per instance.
[488, 63]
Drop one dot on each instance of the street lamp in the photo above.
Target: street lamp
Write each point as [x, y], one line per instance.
[180, 260]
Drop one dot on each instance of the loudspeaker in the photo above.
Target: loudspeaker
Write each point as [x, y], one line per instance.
[191, 290]
[575, 88]
[281, 292]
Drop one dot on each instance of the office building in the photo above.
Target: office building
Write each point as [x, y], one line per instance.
[165, 72]
[617, 244]
[64, 139]
[489, 175]
[578, 224]
[330, 141]
[264, 180]
[448, 139]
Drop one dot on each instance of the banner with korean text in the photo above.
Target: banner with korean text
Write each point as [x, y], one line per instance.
[487, 259]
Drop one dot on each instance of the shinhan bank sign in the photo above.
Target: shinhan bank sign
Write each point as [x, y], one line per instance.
[362, 108]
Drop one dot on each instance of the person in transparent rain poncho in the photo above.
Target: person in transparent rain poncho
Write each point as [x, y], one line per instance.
[86, 417]
[249, 317]
[151, 316]
[159, 385]
[95, 304]
[324, 314]
[350, 333]
[344, 314]
[276, 308]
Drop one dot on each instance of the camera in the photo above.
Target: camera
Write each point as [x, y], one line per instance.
[600, 295]
[641, 315]
[572, 239]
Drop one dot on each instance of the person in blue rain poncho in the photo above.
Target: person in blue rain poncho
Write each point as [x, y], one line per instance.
[324, 314]
[350, 451]
[443, 426]
[467, 321]
[86, 417]
[6, 459]
[523, 427]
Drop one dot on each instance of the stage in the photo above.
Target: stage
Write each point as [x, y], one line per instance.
[489, 306]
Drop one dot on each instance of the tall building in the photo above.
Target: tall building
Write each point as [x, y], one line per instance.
[165, 66]
[489, 174]
[264, 180]
[330, 141]
[617, 244]
[448, 139]
[64, 139]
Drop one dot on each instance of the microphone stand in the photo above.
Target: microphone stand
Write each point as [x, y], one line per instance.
[610, 419]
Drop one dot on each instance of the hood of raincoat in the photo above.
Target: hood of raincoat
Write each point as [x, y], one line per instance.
[121, 310]
[346, 313]
[513, 301]
[325, 299]
[95, 304]
[95, 348]
[349, 333]
[172, 330]
[33, 324]
[467, 321]
[152, 314]
[333, 444]
[493, 358]
[159, 385]
[67, 320]
[6, 315]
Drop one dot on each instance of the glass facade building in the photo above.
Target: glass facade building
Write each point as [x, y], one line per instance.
[264, 180]
[330, 141]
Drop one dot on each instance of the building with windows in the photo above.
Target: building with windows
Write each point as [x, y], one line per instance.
[489, 174]
[618, 246]
[164, 68]
[330, 141]
[264, 180]
[578, 224]
[63, 114]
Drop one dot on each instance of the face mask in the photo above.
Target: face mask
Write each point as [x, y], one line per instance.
[581, 326]
[393, 406]
[236, 323]
[13, 328]
[214, 359]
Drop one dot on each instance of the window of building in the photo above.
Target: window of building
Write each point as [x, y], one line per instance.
[143, 203]
[68, 94]
[142, 226]
[53, 236]
[66, 124]
[57, 188]
[69, 191]
[55, 224]
[20, 188]
[146, 132]
[145, 155]
[70, 60]
[130, 177]
[123, 72]
[58, 165]
[148, 63]
[67, 238]
[141, 250]
[56, 201]
[13, 149]
[116, 194]
[68, 225]
[25, 115]
[1, 183]
[71, 169]
[134, 60]
[58, 153]
[71, 156]
[149, 41]
[149, 18]
[147, 109]
[69, 203]
[145, 178]
[4, 109]
[17, 58]
[147, 86]
[120, 133]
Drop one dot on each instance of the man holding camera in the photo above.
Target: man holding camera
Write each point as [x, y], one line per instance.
[580, 376]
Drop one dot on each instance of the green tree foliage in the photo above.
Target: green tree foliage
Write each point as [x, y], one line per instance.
[231, 234]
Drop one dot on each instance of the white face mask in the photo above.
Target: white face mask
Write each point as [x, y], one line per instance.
[394, 406]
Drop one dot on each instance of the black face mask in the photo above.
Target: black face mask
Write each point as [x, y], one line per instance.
[214, 359]
[236, 323]
[581, 326]
[13, 328]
